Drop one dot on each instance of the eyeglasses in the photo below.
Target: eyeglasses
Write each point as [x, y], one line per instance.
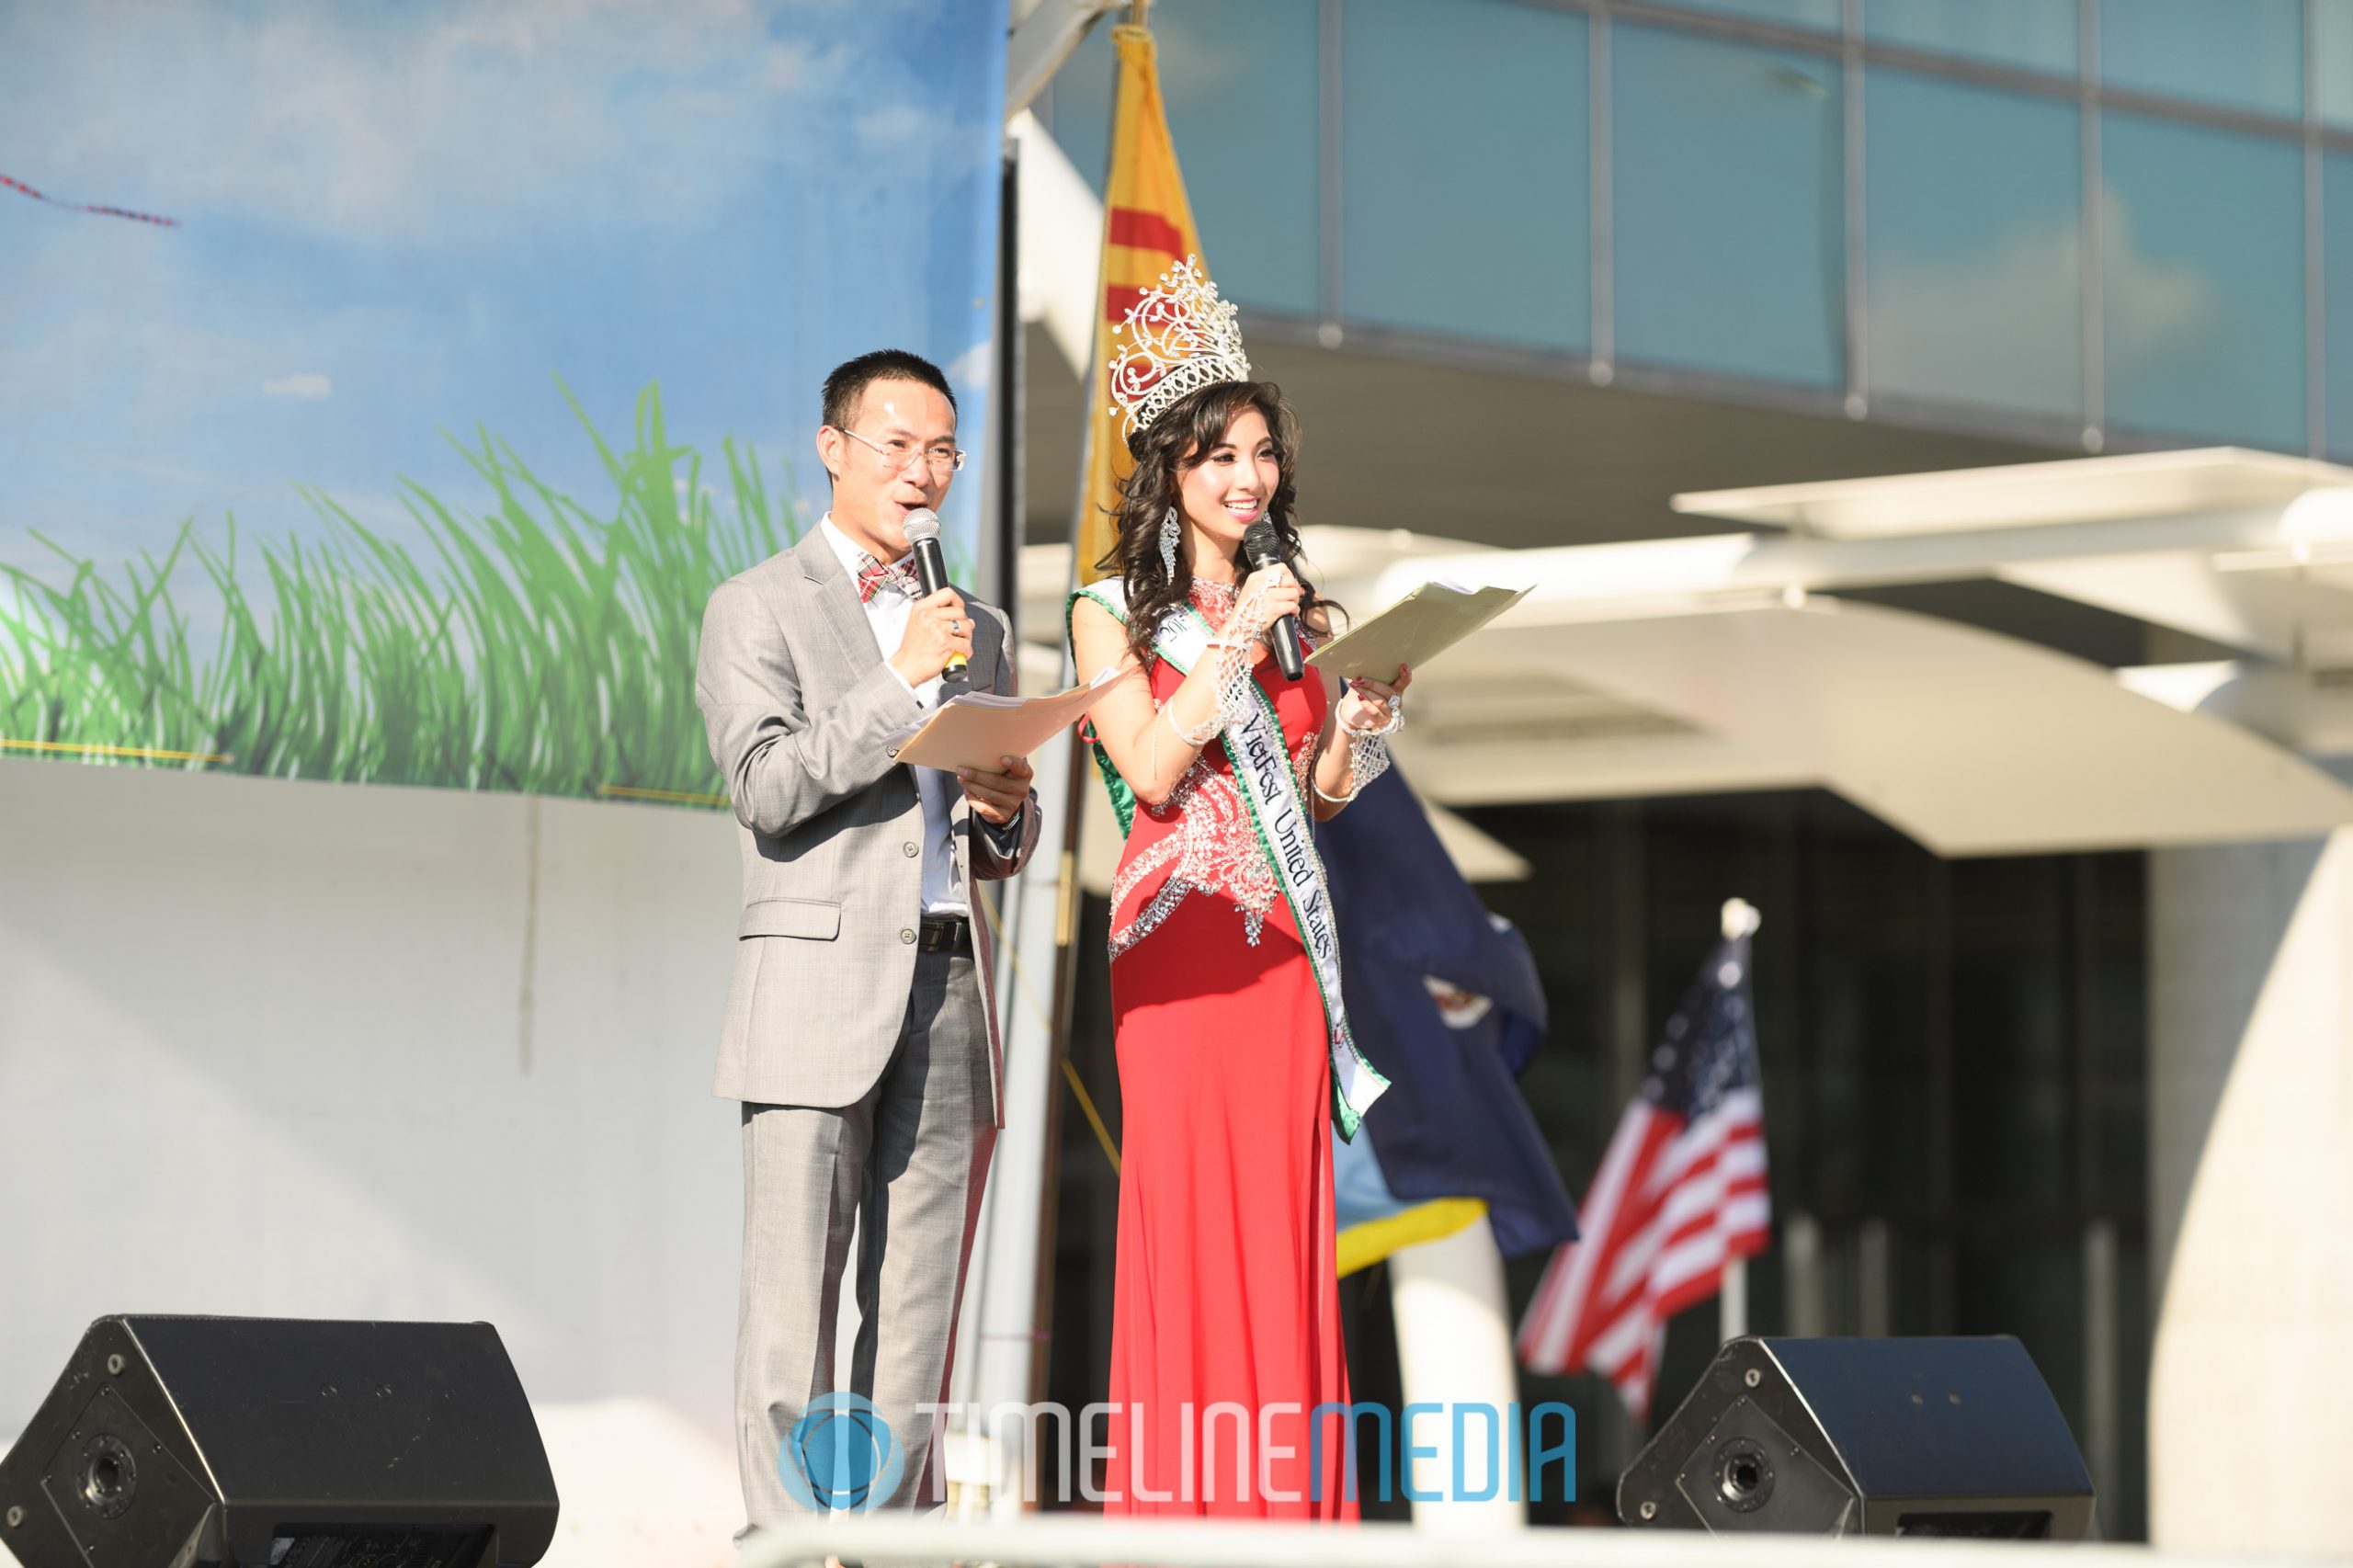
[939, 456]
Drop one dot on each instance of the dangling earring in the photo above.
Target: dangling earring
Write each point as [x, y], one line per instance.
[1169, 529]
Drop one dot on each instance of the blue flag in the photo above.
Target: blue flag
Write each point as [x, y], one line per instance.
[1443, 997]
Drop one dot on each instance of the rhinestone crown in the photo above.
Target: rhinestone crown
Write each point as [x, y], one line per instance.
[1178, 338]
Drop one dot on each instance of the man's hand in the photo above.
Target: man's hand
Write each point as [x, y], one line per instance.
[938, 627]
[997, 798]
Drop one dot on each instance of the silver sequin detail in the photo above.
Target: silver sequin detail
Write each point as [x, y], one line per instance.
[1214, 847]
[1215, 851]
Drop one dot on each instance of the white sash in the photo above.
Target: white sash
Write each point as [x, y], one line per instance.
[1285, 826]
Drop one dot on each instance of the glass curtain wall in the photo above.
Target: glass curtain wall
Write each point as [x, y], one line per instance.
[2089, 221]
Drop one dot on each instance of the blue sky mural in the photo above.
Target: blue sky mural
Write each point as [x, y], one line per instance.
[400, 219]
[404, 227]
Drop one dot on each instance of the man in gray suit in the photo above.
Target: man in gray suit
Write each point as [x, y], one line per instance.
[860, 1033]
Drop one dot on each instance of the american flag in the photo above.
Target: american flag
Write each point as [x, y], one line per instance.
[1680, 1193]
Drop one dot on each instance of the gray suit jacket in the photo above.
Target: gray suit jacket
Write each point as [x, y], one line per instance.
[799, 708]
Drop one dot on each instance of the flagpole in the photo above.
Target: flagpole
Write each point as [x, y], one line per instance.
[1703, 1096]
[1071, 771]
[1062, 1001]
[1740, 919]
[1006, 1330]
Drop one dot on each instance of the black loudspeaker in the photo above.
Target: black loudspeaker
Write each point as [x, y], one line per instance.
[1865, 1437]
[170, 1442]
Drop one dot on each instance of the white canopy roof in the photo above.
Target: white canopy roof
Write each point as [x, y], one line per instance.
[1721, 662]
[2137, 488]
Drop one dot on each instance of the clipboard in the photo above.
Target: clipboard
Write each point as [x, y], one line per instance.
[1413, 631]
[977, 728]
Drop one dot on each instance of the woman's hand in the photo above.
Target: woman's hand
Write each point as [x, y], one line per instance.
[1371, 705]
[1266, 596]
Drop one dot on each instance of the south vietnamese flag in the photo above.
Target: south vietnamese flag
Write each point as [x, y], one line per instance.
[1147, 229]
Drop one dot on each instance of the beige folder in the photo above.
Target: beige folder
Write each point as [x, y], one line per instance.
[977, 729]
[1413, 631]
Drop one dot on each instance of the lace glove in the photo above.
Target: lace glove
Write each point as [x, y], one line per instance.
[1232, 659]
[1368, 754]
[1233, 655]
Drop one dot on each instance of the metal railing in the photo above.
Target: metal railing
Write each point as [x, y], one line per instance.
[1071, 1541]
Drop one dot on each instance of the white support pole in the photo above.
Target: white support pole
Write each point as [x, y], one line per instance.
[1454, 1351]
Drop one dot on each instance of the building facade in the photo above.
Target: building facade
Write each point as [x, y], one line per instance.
[1531, 268]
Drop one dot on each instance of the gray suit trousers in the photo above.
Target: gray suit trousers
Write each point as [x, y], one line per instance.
[908, 1162]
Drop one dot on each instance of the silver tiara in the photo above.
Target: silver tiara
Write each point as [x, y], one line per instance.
[1178, 338]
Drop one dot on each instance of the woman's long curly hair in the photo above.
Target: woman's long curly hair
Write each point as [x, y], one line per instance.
[1178, 441]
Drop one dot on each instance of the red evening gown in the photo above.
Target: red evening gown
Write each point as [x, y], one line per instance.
[1225, 1327]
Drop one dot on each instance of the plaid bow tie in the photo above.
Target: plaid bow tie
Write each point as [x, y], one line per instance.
[898, 577]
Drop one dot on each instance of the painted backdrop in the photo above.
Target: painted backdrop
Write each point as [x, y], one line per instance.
[384, 388]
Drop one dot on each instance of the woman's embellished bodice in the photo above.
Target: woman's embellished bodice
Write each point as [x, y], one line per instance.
[1201, 839]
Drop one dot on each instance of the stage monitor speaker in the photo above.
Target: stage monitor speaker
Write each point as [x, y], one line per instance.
[170, 1442]
[1865, 1437]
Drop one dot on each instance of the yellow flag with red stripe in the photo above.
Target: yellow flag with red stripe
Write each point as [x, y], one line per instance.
[1147, 229]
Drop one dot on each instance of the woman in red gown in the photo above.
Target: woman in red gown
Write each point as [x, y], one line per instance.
[1227, 1328]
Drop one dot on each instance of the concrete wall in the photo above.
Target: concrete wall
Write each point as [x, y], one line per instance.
[2251, 1055]
[319, 1051]
[308, 1050]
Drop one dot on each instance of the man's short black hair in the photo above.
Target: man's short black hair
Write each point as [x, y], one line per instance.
[849, 381]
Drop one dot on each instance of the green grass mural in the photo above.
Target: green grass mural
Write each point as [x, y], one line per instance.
[545, 643]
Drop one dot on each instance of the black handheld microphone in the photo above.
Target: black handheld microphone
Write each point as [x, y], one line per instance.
[931, 569]
[1264, 549]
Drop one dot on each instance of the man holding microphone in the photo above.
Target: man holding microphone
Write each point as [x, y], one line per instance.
[861, 1030]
